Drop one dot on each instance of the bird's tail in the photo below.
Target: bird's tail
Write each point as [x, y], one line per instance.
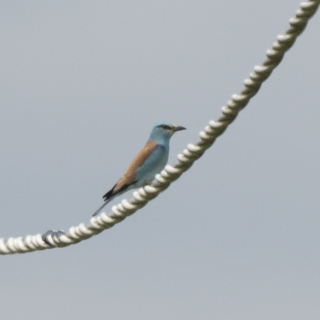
[101, 207]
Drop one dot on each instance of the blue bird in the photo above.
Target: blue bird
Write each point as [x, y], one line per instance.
[148, 162]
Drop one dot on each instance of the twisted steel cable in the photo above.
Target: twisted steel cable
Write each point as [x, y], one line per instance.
[52, 239]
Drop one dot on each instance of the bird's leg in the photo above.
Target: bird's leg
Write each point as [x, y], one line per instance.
[146, 183]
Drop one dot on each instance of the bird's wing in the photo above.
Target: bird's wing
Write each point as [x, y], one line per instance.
[153, 164]
[129, 177]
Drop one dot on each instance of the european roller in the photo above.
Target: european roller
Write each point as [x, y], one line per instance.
[147, 163]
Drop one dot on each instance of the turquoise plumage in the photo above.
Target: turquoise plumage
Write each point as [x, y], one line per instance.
[148, 162]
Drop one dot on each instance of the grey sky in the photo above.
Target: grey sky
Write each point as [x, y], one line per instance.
[82, 84]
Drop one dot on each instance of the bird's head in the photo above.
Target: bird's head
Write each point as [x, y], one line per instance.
[163, 131]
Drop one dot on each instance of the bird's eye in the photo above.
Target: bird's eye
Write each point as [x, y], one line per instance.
[164, 126]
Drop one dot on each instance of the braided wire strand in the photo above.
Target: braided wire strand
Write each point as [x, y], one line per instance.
[142, 196]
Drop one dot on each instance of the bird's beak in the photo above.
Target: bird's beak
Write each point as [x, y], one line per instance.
[178, 128]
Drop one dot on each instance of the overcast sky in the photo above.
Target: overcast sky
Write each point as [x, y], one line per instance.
[82, 85]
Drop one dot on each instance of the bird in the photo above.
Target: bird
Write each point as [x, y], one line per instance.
[148, 162]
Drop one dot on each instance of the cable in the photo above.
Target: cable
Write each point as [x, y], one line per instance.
[53, 239]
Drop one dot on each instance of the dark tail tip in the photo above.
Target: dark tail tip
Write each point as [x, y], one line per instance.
[108, 195]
